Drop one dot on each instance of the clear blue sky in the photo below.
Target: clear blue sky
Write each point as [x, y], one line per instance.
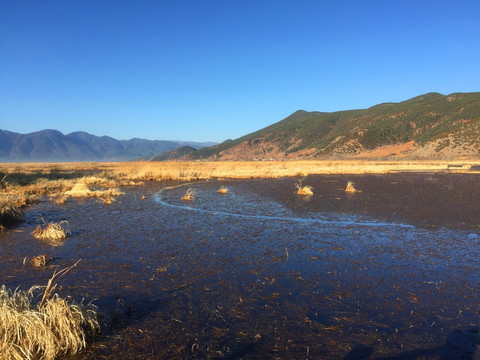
[209, 70]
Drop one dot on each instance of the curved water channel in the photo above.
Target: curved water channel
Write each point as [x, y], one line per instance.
[261, 273]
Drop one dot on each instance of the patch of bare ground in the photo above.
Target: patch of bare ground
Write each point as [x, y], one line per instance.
[399, 150]
[302, 154]
[447, 148]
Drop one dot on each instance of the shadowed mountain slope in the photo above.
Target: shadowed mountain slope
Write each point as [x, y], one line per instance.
[52, 145]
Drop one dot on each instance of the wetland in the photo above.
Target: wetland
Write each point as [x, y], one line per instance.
[389, 272]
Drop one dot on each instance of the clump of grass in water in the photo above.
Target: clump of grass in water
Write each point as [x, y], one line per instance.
[81, 190]
[222, 190]
[189, 195]
[40, 260]
[47, 329]
[52, 232]
[350, 187]
[304, 190]
[10, 214]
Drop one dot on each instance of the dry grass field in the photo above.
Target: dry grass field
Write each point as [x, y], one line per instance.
[192, 170]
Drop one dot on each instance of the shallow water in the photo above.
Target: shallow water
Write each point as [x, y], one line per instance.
[260, 273]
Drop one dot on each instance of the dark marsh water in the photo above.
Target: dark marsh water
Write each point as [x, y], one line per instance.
[391, 272]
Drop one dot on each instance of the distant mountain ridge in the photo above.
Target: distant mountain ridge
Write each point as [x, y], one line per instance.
[175, 154]
[54, 146]
[430, 126]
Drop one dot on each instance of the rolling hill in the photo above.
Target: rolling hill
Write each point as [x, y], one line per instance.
[428, 126]
[53, 146]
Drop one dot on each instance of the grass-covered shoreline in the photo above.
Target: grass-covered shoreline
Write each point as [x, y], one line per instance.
[25, 173]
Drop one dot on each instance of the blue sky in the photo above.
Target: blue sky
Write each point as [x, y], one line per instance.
[209, 70]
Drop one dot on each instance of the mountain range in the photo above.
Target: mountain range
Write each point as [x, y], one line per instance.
[430, 126]
[53, 146]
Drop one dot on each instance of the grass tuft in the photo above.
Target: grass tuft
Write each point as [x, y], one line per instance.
[51, 231]
[189, 195]
[40, 260]
[222, 190]
[350, 187]
[44, 330]
[304, 190]
[81, 189]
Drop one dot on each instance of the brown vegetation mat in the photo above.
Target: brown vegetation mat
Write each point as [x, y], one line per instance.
[10, 214]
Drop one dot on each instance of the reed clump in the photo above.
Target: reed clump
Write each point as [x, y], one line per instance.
[304, 190]
[189, 195]
[40, 260]
[53, 327]
[54, 232]
[223, 190]
[351, 188]
[82, 190]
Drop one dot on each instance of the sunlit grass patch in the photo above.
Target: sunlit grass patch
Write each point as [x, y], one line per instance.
[108, 199]
[189, 195]
[40, 260]
[53, 232]
[223, 190]
[81, 189]
[350, 187]
[45, 329]
[304, 190]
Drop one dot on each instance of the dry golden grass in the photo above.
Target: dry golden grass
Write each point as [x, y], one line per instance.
[304, 190]
[40, 260]
[189, 195]
[350, 187]
[52, 232]
[59, 199]
[47, 329]
[126, 173]
[81, 190]
[223, 190]
[108, 200]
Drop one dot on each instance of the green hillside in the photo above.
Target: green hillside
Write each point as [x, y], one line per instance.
[454, 118]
